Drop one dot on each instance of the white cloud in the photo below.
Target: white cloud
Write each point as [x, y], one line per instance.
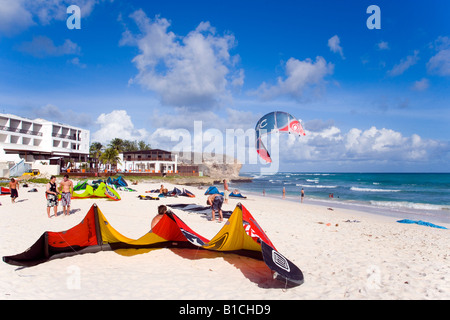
[54, 113]
[383, 45]
[117, 124]
[404, 64]
[440, 63]
[421, 85]
[324, 143]
[14, 17]
[42, 47]
[334, 43]
[300, 75]
[76, 62]
[193, 70]
[18, 15]
[371, 145]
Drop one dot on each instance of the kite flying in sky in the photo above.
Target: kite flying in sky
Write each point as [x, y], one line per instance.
[277, 121]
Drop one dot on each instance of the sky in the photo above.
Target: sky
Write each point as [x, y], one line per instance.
[371, 88]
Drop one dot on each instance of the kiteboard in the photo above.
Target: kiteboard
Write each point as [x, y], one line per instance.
[147, 197]
[283, 269]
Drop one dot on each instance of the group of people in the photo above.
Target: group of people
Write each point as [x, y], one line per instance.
[216, 206]
[302, 193]
[52, 193]
[214, 200]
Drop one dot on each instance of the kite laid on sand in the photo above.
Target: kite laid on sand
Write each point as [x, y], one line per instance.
[241, 235]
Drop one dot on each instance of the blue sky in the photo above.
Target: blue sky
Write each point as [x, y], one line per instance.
[369, 99]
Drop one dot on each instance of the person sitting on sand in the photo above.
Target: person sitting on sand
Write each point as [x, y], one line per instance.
[162, 209]
[215, 201]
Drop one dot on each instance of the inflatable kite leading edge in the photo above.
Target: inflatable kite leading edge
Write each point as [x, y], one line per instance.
[241, 235]
[277, 121]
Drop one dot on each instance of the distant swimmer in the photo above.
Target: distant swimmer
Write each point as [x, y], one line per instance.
[302, 195]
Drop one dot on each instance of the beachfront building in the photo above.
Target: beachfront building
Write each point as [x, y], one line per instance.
[150, 161]
[41, 141]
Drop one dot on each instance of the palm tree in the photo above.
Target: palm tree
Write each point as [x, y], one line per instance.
[110, 156]
[95, 151]
[130, 146]
[143, 145]
[117, 144]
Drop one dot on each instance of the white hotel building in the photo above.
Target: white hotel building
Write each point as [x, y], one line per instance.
[39, 139]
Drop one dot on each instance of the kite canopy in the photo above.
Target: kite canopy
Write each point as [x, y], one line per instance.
[102, 191]
[214, 190]
[4, 190]
[241, 234]
[277, 121]
[118, 182]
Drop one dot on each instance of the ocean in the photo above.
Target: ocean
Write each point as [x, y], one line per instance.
[423, 196]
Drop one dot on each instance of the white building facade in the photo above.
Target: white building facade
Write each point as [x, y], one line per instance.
[150, 161]
[39, 139]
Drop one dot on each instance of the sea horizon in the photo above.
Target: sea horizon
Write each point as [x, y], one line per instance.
[415, 195]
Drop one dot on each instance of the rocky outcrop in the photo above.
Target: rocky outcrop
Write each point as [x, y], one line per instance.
[214, 166]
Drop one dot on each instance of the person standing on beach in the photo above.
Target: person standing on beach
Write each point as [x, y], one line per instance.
[302, 195]
[226, 191]
[284, 193]
[14, 187]
[215, 201]
[66, 195]
[52, 196]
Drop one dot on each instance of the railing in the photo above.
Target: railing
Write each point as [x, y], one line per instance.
[64, 136]
[11, 129]
[19, 168]
[152, 158]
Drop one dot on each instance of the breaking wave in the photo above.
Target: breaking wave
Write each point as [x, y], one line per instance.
[409, 205]
[373, 190]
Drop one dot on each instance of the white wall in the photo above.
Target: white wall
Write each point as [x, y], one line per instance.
[47, 170]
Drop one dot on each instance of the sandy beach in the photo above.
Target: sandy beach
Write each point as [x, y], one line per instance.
[343, 254]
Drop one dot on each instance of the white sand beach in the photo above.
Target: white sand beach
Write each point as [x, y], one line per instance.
[343, 254]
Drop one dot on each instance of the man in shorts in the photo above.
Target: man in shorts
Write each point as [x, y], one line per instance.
[52, 196]
[215, 201]
[67, 189]
[14, 187]
[226, 190]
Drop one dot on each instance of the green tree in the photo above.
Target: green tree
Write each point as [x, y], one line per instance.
[130, 145]
[110, 156]
[95, 151]
[117, 144]
[143, 145]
